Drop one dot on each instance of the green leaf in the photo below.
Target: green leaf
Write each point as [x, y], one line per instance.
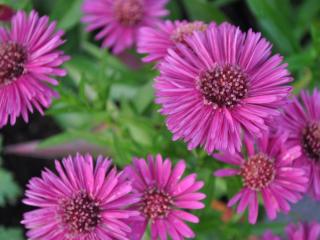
[72, 16]
[274, 16]
[144, 97]
[301, 59]
[204, 11]
[58, 139]
[66, 13]
[18, 4]
[307, 11]
[11, 233]
[315, 33]
[9, 190]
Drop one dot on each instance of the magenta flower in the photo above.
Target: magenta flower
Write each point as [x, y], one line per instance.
[268, 171]
[82, 202]
[303, 231]
[225, 84]
[268, 235]
[119, 21]
[164, 196]
[6, 13]
[301, 121]
[29, 62]
[156, 41]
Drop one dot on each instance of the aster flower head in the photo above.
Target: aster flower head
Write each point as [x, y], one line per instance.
[301, 121]
[83, 201]
[221, 86]
[29, 63]
[164, 198]
[156, 41]
[267, 171]
[303, 231]
[119, 21]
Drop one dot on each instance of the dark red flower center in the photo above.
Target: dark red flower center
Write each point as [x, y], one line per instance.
[185, 30]
[223, 86]
[12, 59]
[311, 140]
[156, 203]
[257, 172]
[80, 213]
[129, 12]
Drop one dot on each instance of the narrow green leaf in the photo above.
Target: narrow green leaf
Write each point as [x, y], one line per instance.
[144, 97]
[272, 15]
[204, 11]
[9, 190]
[72, 16]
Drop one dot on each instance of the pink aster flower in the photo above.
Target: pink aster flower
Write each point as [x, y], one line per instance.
[164, 198]
[119, 21]
[267, 170]
[223, 85]
[301, 121]
[29, 63]
[82, 201]
[303, 231]
[156, 41]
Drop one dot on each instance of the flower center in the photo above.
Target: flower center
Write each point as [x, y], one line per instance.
[222, 86]
[12, 59]
[81, 213]
[258, 172]
[185, 30]
[311, 140]
[156, 203]
[129, 12]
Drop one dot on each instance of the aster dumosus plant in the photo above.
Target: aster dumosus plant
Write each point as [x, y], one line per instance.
[221, 86]
[166, 198]
[29, 63]
[119, 21]
[85, 200]
[267, 170]
[155, 41]
[303, 231]
[301, 121]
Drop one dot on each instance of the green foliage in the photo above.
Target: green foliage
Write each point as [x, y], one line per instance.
[9, 190]
[10, 233]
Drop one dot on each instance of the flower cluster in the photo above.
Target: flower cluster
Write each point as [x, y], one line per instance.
[92, 200]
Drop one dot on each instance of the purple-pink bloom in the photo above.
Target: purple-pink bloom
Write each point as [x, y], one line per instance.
[29, 63]
[301, 121]
[155, 41]
[6, 13]
[83, 201]
[119, 21]
[303, 231]
[164, 197]
[221, 86]
[267, 171]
